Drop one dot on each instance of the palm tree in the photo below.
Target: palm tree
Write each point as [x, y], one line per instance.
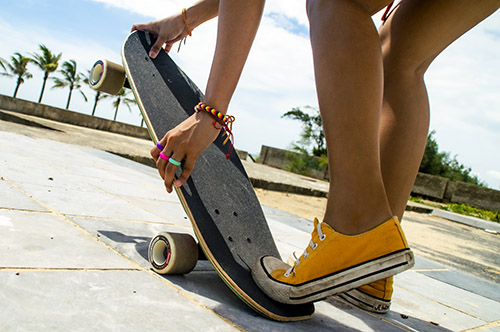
[18, 69]
[98, 95]
[71, 79]
[121, 97]
[47, 62]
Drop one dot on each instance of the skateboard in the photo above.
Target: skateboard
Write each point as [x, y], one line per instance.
[227, 219]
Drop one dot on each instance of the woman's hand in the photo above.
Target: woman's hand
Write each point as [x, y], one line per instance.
[173, 29]
[184, 143]
[168, 31]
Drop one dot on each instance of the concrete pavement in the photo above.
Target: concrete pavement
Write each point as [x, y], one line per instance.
[75, 224]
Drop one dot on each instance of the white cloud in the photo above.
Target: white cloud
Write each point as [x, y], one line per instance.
[152, 8]
[494, 174]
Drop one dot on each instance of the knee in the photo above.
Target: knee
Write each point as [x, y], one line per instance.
[315, 7]
[399, 66]
[401, 60]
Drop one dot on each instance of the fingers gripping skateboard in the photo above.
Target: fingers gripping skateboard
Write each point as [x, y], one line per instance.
[173, 253]
[108, 77]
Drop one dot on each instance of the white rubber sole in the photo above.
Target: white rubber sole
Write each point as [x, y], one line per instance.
[339, 282]
[365, 301]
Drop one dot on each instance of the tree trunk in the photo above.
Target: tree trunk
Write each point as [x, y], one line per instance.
[69, 97]
[17, 87]
[45, 77]
[116, 112]
[96, 100]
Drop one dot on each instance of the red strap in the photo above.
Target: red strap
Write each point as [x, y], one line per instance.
[387, 12]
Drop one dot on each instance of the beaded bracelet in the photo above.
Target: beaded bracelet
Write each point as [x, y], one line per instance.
[226, 122]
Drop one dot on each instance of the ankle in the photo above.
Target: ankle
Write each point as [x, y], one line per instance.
[357, 223]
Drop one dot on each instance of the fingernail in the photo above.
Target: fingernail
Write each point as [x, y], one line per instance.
[178, 183]
[152, 54]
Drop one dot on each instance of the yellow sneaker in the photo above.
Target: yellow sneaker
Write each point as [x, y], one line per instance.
[374, 297]
[335, 263]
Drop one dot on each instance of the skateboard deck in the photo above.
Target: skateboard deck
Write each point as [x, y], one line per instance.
[218, 198]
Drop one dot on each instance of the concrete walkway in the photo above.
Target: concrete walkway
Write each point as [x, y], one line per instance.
[75, 224]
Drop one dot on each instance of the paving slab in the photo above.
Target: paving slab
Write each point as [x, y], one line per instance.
[100, 301]
[451, 276]
[443, 293]
[41, 240]
[12, 198]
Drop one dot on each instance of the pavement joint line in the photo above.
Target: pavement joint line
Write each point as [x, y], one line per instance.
[140, 268]
[483, 327]
[431, 270]
[24, 210]
[97, 218]
[121, 220]
[284, 217]
[63, 269]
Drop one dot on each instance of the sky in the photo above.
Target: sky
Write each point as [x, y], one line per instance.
[463, 82]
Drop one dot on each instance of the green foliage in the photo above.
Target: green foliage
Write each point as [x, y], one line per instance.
[71, 79]
[47, 62]
[121, 98]
[305, 160]
[441, 164]
[462, 209]
[304, 163]
[474, 212]
[17, 68]
[312, 130]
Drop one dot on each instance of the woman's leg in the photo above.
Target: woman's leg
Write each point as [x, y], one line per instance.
[349, 78]
[413, 36]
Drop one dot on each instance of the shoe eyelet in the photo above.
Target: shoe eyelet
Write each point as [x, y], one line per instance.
[315, 245]
[322, 237]
[306, 254]
[287, 274]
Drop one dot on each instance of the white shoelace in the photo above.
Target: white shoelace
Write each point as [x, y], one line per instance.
[312, 244]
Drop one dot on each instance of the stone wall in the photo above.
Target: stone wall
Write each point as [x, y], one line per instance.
[58, 114]
[273, 157]
[279, 158]
[429, 186]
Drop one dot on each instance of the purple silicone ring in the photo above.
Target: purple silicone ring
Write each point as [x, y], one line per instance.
[159, 146]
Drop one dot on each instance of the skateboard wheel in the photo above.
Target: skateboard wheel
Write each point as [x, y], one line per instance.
[107, 76]
[173, 253]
